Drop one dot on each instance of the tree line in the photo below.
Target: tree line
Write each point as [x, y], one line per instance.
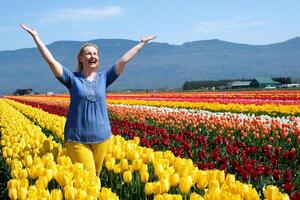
[191, 85]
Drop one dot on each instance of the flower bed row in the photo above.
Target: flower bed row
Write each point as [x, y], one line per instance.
[267, 141]
[268, 109]
[162, 172]
[38, 165]
[291, 98]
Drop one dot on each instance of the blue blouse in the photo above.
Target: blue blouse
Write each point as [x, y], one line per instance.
[87, 119]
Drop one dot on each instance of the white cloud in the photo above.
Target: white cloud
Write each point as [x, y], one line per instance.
[81, 14]
[213, 26]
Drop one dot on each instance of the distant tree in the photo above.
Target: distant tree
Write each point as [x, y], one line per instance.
[283, 80]
[296, 80]
[190, 85]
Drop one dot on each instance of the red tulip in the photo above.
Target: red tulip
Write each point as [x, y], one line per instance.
[288, 187]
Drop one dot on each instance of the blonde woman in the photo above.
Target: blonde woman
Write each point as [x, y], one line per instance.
[87, 130]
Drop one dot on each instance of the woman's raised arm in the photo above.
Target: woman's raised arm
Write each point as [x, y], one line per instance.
[53, 64]
[131, 53]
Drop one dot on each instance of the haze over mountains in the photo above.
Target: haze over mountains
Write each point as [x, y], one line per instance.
[157, 66]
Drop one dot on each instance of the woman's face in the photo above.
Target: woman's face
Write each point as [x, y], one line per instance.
[89, 57]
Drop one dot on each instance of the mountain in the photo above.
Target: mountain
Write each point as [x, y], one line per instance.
[158, 65]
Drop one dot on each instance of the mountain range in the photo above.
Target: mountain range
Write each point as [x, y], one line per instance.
[157, 66]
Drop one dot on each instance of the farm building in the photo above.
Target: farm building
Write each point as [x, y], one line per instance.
[23, 92]
[238, 84]
[263, 82]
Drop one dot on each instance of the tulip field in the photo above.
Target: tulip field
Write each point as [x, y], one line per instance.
[165, 145]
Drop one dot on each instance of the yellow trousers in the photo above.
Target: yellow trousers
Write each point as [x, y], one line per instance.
[91, 155]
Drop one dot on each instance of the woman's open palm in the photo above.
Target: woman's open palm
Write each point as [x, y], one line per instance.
[32, 32]
[147, 39]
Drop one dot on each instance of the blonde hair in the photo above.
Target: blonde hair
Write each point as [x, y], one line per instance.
[79, 64]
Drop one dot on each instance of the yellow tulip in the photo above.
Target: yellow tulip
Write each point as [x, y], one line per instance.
[201, 179]
[251, 194]
[164, 185]
[195, 196]
[213, 184]
[149, 188]
[170, 170]
[136, 155]
[63, 178]
[148, 157]
[144, 176]
[15, 173]
[76, 168]
[92, 191]
[236, 188]
[185, 184]
[156, 188]
[32, 192]
[174, 179]
[136, 164]
[12, 184]
[144, 168]
[168, 197]
[81, 195]
[169, 155]
[176, 197]
[4, 151]
[69, 192]
[117, 153]
[23, 173]
[213, 194]
[47, 159]
[56, 194]
[220, 176]
[49, 174]
[158, 154]
[108, 156]
[127, 176]
[136, 140]
[106, 193]
[184, 171]
[22, 193]
[211, 175]
[12, 193]
[230, 179]
[16, 164]
[23, 183]
[124, 164]
[117, 169]
[41, 182]
[64, 161]
[158, 169]
[8, 161]
[110, 164]
[272, 192]
[39, 170]
[9, 152]
[158, 197]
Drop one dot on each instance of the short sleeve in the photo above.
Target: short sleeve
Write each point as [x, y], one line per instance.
[111, 75]
[66, 77]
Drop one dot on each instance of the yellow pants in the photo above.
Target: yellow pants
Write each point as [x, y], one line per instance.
[91, 155]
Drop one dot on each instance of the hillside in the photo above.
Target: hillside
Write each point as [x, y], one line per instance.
[158, 65]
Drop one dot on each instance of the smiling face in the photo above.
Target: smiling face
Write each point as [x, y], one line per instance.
[89, 57]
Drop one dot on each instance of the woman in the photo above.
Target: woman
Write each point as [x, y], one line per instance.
[87, 130]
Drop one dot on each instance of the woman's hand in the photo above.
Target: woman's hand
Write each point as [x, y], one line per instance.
[32, 32]
[147, 39]
[53, 64]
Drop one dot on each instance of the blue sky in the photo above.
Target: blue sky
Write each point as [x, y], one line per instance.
[174, 21]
